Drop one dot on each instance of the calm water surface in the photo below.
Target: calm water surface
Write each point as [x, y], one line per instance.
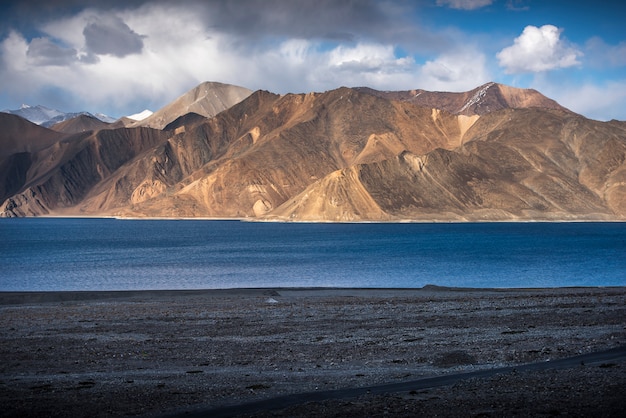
[106, 254]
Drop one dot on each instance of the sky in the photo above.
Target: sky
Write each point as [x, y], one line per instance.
[121, 57]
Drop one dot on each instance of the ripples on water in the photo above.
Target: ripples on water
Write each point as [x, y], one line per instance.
[107, 254]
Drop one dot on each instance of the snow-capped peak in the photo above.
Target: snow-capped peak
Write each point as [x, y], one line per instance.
[477, 97]
[36, 114]
[141, 115]
[47, 117]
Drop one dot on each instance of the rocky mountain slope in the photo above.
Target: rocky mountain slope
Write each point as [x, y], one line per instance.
[207, 99]
[484, 99]
[19, 141]
[544, 172]
[80, 123]
[495, 153]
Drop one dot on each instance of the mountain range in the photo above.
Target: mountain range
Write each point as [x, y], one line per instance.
[47, 117]
[350, 154]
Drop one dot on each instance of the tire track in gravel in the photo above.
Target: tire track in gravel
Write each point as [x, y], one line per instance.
[281, 402]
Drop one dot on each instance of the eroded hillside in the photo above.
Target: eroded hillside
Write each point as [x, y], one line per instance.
[343, 155]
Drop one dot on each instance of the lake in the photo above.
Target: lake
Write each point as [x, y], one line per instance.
[41, 254]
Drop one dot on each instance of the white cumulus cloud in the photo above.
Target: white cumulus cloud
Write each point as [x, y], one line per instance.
[367, 58]
[537, 50]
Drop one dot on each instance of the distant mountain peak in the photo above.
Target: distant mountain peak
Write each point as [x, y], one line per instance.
[44, 116]
[104, 118]
[141, 115]
[81, 123]
[206, 99]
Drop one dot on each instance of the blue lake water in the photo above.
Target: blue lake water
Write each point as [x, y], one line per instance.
[105, 254]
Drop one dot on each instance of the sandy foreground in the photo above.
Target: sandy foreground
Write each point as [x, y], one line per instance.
[307, 352]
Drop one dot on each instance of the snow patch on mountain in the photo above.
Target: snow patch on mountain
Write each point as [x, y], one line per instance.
[105, 118]
[477, 97]
[141, 115]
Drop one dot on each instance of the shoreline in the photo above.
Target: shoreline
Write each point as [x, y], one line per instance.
[290, 221]
[17, 297]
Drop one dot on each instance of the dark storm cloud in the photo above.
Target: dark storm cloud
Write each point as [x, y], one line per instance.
[251, 22]
[333, 20]
[42, 51]
[388, 21]
[111, 36]
[22, 15]
[303, 19]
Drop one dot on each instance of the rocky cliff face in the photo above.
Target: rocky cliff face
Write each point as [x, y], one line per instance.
[60, 177]
[343, 155]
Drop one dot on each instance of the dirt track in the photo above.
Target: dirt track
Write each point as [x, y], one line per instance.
[162, 353]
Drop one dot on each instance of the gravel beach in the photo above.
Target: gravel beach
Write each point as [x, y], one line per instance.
[306, 352]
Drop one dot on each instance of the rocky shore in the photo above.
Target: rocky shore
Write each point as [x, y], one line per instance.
[201, 353]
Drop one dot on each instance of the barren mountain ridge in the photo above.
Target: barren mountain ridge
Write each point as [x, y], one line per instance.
[349, 154]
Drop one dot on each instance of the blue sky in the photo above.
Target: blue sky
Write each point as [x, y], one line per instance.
[126, 56]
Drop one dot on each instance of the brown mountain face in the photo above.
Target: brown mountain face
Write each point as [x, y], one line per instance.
[538, 165]
[273, 147]
[485, 99]
[208, 99]
[342, 155]
[81, 123]
[19, 135]
[184, 122]
[19, 140]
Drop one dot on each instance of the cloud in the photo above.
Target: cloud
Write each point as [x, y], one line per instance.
[303, 19]
[13, 57]
[306, 65]
[367, 58]
[517, 5]
[537, 50]
[175, 48]
[109, 35]
[599, 54]
[127, 59]
[603, 101]
[464, 4]
[42, 51]
[32, 76]
[456, 71]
